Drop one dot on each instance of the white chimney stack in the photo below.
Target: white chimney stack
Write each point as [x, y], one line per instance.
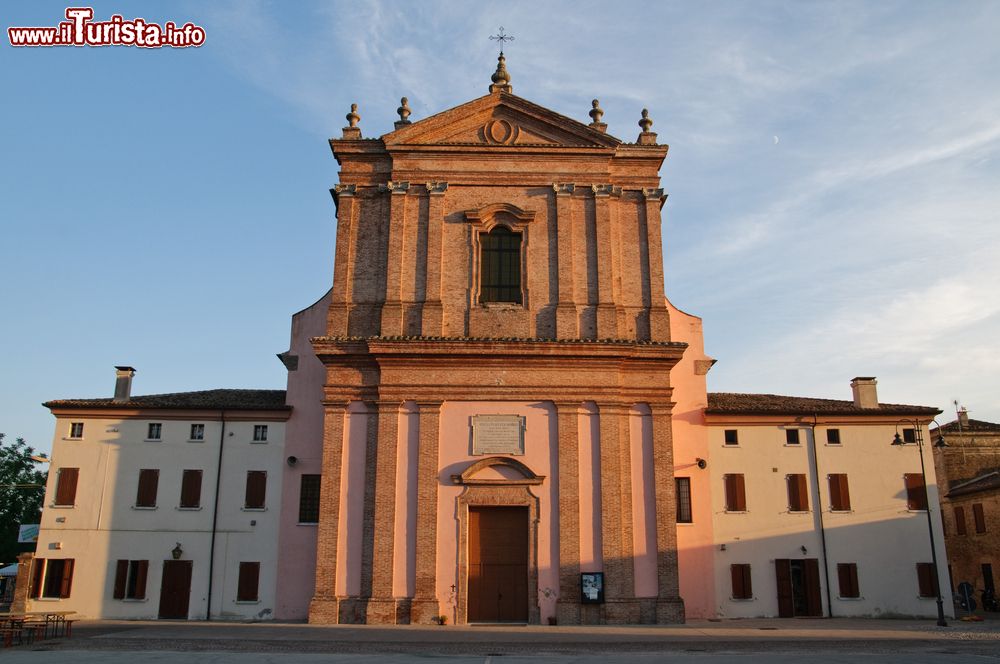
[123, 383]
[865, 395]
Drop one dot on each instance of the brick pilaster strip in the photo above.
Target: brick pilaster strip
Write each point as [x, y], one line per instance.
[670, 607]
[392, 311]
[385, 499]
[659, 323]
[323, 608]
[435, 222]
[616, 503]
[568, 605]
[607, 318]
[567, 321]
[368, 521]
[337, 319]
[425, 604]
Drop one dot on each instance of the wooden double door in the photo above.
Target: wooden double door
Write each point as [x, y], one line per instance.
[175, 589]
[798, 587]
[498, 564]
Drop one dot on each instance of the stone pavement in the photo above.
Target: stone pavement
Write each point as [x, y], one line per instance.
[820, 641]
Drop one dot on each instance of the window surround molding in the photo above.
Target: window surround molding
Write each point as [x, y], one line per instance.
[484, 220]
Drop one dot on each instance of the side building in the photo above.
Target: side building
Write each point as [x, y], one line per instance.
[816, 513]
[968, 472]
[162, 505]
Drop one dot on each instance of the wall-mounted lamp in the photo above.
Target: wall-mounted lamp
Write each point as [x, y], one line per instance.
[292, 460]
[701, 463]
[804, 549]
[177, 552]
[722, 547]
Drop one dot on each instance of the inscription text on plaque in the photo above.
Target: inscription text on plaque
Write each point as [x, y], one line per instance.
[498, 434]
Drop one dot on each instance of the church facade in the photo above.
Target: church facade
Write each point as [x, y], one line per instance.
[496, 375]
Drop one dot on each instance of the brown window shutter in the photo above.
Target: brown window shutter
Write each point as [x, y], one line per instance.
[847, 574]
[845, 493]
[927, 580]
[66, 486]
[739, 493]
[149, 478]
[979, 517]
[798, 498]
[256, 489]
[191, 488]
[960, 521]
[739, 579]
[121, 575]
[37, 575]
[916, 494]
[247, 587]
[66, 585]
[141, 571]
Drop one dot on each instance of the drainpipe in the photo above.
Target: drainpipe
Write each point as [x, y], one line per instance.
[819, 511]
[215, 515]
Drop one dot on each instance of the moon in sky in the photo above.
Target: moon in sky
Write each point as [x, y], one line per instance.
[775, 140]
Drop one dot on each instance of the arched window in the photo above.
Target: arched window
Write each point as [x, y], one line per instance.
[500, 273]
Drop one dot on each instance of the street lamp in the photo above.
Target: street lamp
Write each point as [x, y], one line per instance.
[898, 440]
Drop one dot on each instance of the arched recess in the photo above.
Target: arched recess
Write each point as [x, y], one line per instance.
[513, 492]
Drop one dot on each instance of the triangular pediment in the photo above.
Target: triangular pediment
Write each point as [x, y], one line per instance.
[500, 119]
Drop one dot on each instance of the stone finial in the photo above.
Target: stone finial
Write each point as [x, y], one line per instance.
[500, 78]
[352, 130]
[596, 113]
[404, 113]
[646, 137]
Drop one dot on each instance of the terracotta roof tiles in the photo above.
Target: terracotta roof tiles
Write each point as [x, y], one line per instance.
[731, 403]
[224, 399]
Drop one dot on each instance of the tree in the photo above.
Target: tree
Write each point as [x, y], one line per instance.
[22, 490]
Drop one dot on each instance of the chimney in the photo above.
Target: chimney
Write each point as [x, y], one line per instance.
[123, 384]
[963, 418]
[865, 395]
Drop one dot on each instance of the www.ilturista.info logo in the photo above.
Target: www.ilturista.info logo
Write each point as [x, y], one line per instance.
[81, 30]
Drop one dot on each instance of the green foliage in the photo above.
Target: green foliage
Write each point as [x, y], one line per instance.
[22, 489]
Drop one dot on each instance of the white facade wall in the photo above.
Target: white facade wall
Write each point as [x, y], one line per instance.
[879, 534]
[105, 526]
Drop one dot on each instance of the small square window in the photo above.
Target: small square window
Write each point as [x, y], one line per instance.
[154, 431]
[909, 436]
[791, 436]
[732, 438]
[260, 433]
[833, 436]
[76, 430]
[197, 432]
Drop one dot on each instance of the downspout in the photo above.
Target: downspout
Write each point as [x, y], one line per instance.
[215, 516]
[819, 511]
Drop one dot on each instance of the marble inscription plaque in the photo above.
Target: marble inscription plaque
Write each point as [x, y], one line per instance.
[498, 434]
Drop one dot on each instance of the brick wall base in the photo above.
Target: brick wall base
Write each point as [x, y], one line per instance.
[622, 612]
[568, 612]
[387, 611]
[424, 611]
[669, 611]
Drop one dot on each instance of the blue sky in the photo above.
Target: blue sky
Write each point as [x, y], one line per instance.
[834, 181]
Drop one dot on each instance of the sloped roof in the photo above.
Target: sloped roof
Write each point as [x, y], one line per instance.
[732, 403]
[972, 427]
[223, 399]
[985, 482]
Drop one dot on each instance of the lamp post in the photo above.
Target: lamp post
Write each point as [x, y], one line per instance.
[918, 435]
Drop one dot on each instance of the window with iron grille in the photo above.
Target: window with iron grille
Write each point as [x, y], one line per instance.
[500, 266]
[197, 432]
[833, 436]
[791, 436]
[260, 433]
[732, 437]
[683, 486]
[309, 499]
[154, 431]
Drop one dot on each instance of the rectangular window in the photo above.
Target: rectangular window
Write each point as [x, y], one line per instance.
[833, 436]
[732, 438]
[191, 489]
[979, 517]
[145, 495]
[309, 499]
[256, 489]
[66, 481]
[916, 492]
[736, 496]
[154, 431]
[927, 580]
[960, 521]
[847, 573]
[500, 266]
[909, 436]
[53, 578]
[197, 432]
[246, 589]
[798, 493]
[260, 433]
[683, 488]
[742, 587]
[840, 495]
[76, 430]
[130, 579]
[791, 436]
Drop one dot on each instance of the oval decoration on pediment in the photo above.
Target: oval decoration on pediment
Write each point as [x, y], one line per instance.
[500, 132]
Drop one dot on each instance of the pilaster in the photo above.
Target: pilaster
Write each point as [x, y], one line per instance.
[382, 607]
[607, 316]
[343, 269]
[669, 605]
[425, 606]
[392, 310]
[433, 309]
[568, 604]
[659, 323]
[567, 319]
[324, 606]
